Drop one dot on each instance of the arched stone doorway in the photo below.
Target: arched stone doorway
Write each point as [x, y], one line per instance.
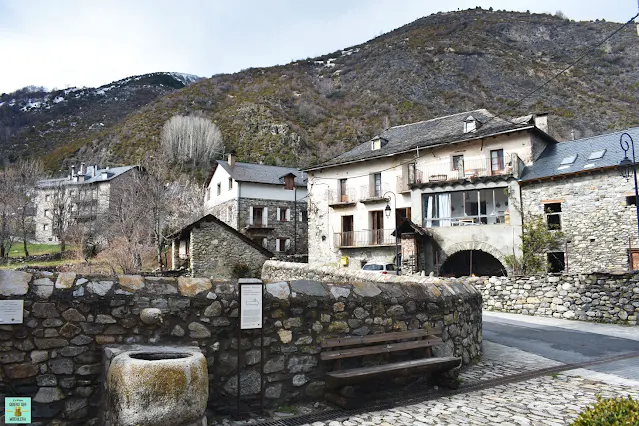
[467, 262]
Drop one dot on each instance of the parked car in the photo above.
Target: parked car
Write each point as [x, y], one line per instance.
[380, 268]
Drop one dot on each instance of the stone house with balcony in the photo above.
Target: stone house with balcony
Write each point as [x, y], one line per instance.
[451, 185]
[77, 199]
[268, 204]
[578, 188]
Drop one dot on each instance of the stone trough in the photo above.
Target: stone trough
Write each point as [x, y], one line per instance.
[156, 385]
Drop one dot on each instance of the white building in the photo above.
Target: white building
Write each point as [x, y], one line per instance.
[266, 203]
[454, 177]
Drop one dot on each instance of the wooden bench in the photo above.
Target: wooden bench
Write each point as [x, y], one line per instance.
[341, 348]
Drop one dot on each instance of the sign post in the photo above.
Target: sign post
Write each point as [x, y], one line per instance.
[251, 293]
[17, 410]
[11, 311]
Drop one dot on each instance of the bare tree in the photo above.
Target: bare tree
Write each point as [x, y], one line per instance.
[7, 212]
[190, 139]
[62, 217]
[27, 174]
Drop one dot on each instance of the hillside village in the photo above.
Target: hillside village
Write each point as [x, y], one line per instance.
[428, 228]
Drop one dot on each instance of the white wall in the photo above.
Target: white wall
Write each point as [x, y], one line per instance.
[272, 192]
[221, 177]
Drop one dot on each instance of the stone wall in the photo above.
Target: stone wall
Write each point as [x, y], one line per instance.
[219, 251]
[294, 229]
[592, 297]
[594, 217]
[57, 355]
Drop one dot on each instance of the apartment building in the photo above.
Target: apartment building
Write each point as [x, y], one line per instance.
[448, 184]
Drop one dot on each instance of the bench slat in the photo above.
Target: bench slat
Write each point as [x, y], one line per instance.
[379, 349]
[361, 374]
[380, 337]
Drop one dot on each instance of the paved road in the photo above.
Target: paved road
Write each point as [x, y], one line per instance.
[566, 341]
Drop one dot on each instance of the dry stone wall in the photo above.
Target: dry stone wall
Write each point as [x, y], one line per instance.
[599, 297]
[57, 355]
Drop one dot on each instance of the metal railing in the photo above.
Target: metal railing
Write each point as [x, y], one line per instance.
[472, 168]
[475, 220]
[365, 238]
[368, 192]
[336, 197]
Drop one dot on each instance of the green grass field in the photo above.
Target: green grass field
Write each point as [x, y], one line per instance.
[17, 250]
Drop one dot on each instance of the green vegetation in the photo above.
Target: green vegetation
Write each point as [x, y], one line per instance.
[17, 250]
[610, 412]
[536, 240]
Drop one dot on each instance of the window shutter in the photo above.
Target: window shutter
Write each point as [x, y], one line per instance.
[287, 244]
[265, 221]
[288, 215]
[277, 244]
[278, 214]
[251, 215]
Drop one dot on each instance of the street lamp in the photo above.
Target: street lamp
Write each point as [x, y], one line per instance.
[387, 211]
[627, 166]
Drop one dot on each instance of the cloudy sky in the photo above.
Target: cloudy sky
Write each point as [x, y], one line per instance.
[64, 43]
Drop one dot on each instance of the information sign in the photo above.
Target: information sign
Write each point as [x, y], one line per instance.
[250, 306]
[17, 410]
[11, 311]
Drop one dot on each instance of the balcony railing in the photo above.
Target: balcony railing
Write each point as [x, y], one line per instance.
[483, 219]
[365, 238]
[370, 194]
[472, 168]
[336, 198]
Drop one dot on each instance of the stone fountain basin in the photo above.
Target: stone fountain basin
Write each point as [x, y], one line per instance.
[152, 386]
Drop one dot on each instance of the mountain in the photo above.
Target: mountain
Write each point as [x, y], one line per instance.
[34, 121]
[312, 109]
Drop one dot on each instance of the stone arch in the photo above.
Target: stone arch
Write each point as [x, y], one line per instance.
[449, 250]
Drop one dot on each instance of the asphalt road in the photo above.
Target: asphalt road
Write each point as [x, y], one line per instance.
[551, 339]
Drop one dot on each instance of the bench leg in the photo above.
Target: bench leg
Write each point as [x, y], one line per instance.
[345, 398]
[448, 379]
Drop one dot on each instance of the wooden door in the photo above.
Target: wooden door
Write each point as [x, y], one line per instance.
[347, 230]
[378, 226]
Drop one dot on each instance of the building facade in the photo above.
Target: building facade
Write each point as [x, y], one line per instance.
[577, 187]
[80, 198]
[268, 204]
[449, 185]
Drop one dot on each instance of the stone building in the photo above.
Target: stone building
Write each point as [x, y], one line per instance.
[266, 203]
[578, 188]
[79, 198]
[453, 177]
[209, 247]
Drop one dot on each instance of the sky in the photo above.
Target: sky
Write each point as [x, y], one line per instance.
[64, 43]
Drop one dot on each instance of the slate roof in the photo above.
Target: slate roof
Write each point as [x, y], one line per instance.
[112, 173]
[211, 218]
[549, 162]
[260, 173]
[438, 131]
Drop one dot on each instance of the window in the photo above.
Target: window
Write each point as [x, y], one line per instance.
[219, 188]
[376, 144]
[289, 182]
[569, 160]
[45, 227]
[458, 163]
[377, 184]
[47, 198]
[343, 196]
[283, 214]
[631, 200]
[497, 160]
[556, 261]
[230, 183]
[302, 216]
[282, 244]
[46, 212]
[633, 259]
[596, 155]
[258, 216]
[553, 215]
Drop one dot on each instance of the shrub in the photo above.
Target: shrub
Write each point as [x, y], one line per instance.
[610, 412]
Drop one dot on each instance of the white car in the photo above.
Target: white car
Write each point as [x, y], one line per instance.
[380, 268]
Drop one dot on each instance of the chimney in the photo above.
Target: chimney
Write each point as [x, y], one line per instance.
[82, 169]
[72, 171]
[95, 170]
[541, 121]
[232, 159]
